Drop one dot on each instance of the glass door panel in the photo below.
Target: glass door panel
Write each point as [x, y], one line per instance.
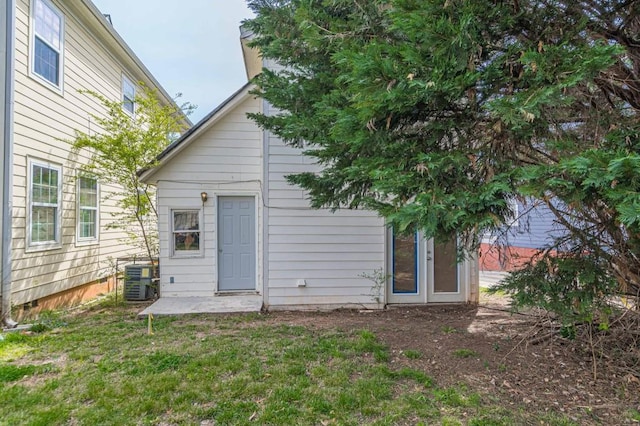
[445, 268]
[405, 280]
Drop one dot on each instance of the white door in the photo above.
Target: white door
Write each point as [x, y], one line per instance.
[445, 280]
[423, 272]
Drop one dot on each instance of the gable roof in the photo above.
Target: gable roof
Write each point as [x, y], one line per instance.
[192, 134]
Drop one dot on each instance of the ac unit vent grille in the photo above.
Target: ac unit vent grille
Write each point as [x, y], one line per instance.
[137, 282]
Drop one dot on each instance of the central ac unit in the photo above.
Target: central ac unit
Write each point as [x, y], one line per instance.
[137, 282]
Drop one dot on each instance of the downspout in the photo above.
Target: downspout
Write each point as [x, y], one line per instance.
[7, 52]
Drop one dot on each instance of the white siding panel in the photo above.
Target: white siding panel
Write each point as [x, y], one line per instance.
[224, 160]
[216, 157]
[277, 240]
[45, 122]
[330, 251]
[310, 229]
[321, 251]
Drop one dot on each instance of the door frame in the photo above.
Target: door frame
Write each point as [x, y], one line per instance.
[447, 297]
[420, 297]
[425, 276]
[257, 240]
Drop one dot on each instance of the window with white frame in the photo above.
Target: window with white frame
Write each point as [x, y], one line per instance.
[88, 214]
[128, 95]
[186, 231]
[47, 41]
[45, 204]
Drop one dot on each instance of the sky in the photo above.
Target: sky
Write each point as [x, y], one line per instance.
[190, 46]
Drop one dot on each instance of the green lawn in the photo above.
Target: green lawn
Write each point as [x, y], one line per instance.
[103, 368]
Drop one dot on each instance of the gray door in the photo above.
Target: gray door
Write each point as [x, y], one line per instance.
[236, 243]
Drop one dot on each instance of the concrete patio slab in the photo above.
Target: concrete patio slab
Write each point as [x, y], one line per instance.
[204, 305]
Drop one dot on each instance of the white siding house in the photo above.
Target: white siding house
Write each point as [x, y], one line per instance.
[230, 224]
[56, 240]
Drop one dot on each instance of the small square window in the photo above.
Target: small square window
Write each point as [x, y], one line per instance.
[186, 231]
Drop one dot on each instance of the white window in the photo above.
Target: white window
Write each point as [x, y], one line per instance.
[128, 95]
[47, 42]
[88, 214]
[186, 232]
[45, 205]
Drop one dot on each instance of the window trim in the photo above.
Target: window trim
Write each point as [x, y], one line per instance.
[172, 243]
[83, 241]
[127, 81]
[57, 242]
[59, 88]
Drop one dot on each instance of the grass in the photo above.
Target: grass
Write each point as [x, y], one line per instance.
[103, 368]
[412, 354]
[465, 353]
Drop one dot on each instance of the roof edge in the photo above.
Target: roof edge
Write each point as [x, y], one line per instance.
[161, 159]
[106, 26]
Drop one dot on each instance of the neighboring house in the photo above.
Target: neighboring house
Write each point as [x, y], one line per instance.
[532, 229]
[230, 224]
[54, 225]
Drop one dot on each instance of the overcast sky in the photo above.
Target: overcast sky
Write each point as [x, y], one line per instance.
[191, 46]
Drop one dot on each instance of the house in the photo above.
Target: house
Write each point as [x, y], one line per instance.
[532, 229]
[55, 238]
[230, 224]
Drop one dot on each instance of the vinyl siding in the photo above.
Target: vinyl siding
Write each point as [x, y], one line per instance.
[45, 122]
[224, 160]
[330, 251]
[535, 229]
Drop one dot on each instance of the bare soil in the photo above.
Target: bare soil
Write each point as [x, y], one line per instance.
[488, 349]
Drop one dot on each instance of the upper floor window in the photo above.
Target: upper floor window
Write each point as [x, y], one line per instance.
[48, 41]
[128, 95]
[45, 205]
[88, 215]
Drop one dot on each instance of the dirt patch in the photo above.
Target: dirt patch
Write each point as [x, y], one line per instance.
[487, 349]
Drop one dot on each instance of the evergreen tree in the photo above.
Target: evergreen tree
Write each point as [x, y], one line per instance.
[435, 113]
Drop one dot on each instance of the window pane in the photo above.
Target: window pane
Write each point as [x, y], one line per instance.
[46, 62]
[187, 241]
[43, 224]
[128, 95]
[445, 268]
[88, 192]
[128, 104]
[48, 25]
[186, 221]
[45, 185]
[404, 264]
[87, 207]
[128, 89]
[87, 228]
